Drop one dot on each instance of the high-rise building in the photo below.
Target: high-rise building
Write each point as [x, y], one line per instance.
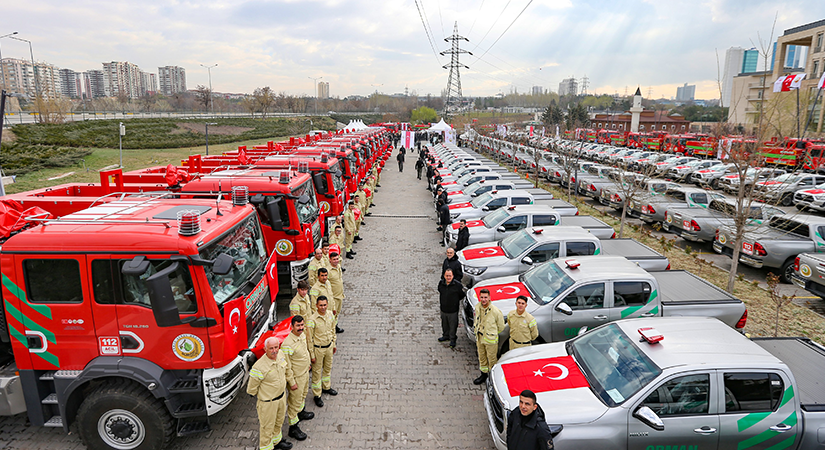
[20, 77]
[148, 84]
[733, 67]
[323, 89]
[750, 61]
[121, 78]
[94, 85]
[685, 93]
[172, 79]
[568, 86]
[71, 83]
[795, 56]
[538, 90]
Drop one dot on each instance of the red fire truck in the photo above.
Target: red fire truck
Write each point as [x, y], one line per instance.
[133, 319]
[793, 153]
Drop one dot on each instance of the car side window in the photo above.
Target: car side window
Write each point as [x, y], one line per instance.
[135, 291]
[590, 296]
[540, 220]
[699, 197]
[806, 182]
[687, 395]
[515, 223]
[521, 201]
[53, 281]
[580, 248]
[497, 203]
[545, 252]
[505, 188]
[630, 293]
[752, 392]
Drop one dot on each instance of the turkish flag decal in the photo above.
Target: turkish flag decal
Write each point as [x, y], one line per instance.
[470, 224]
[460, 205]
[504, 291]
[486, 252]
[542, 375]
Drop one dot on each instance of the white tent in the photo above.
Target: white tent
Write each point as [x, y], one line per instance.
[440, 127]
[355, 125]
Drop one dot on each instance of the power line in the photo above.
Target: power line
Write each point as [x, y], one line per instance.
[494, 24]
[429, 39]
[441, 18]
[474, 20]
[429, 25]
[508, 27]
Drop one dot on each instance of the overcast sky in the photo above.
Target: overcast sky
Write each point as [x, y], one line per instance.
[360, 46]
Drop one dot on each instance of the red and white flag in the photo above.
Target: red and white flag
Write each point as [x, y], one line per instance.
[542, 375]
[234, 327]
[506, 291]
[821, 84]
[531, 131]
[788, 82]
[408, 139]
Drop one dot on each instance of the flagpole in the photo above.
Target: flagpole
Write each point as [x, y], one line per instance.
[798, 132]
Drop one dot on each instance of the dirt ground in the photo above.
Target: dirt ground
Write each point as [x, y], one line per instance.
[201, 128]
[8, 136]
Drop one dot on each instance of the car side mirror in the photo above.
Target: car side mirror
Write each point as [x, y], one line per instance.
[564, 308]
[162, 298]
[223, 264]
[485, 208]
[527, 260]
[649, 418]
[257, 199]
[582, 330]
[501, 229]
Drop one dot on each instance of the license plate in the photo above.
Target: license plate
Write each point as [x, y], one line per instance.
[747, 248]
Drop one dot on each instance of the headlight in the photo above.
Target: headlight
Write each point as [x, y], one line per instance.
[474, 270]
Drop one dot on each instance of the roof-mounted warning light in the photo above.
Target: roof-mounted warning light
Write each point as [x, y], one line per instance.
[511, 208]
[283, 178]
[650, 335]
[240, 195]
[572, 263]
[537, 230]
[189, 223]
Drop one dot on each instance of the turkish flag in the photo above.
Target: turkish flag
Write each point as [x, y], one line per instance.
[272, 276]
[454, 193]
[470, 224]
[542, 375]
[486, 252]
[796, 80]
[335, 248]
[507, 291]
[460, 205]
[357, 213]
[821, 84]
[234, 327]
[242, 158]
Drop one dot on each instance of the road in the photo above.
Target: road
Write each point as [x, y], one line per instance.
[27, 117]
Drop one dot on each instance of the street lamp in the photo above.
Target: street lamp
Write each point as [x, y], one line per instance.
[207, 136]
[2, 70]
[211, 96]
[38, 100]
[315, 86]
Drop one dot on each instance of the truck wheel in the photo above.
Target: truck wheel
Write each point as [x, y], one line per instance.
[123, 415]
[787, 271]
[787, 200]
[715, 183]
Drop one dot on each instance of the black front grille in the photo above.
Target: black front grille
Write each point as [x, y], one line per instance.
[806, 198]
[468, 312]
[495, 406]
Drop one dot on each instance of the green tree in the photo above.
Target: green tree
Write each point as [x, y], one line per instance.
[577, 117]
[552, 114]
[423, 114]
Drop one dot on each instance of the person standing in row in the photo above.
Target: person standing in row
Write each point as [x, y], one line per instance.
[463, 236]
[349, 226]
[321, 287]
[451, 262]
[297, 358]
[301, 304]
[523, 329]
[315, 263]
[321, 336]
[526, 426]
[336, 282]
[267, 382]
[450, 294]
[489, 322]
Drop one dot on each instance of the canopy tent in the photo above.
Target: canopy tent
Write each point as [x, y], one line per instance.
[440, 127]
[355, 125]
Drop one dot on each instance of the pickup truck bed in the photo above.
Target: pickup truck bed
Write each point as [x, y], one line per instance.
[807, 362]
[564, 208]
[680, 287]
[646, 257]
[598, 228]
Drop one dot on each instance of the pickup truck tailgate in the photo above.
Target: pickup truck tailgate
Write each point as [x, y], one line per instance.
[682, 293]
[596, 227]
[564, 208]
[539, 194]
[635, 251]
[807, 363]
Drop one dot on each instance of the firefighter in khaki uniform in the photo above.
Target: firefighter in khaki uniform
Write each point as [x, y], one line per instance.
[315, 263]
[336, 281]
[489, 322]
[523, 329]
[321, 287]
[338, 237]
[301, 304]
[350, 228]
[297, 376]
[321, 340]
[267, 381]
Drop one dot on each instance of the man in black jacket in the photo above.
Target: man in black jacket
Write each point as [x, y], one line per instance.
[400, 159]
[463, 236]
[526, 426]
[451, 262]
[450, 294]
[419, 166]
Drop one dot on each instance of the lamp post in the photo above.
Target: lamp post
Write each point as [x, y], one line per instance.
[34, 73]
[315, 86]
[121, 131]
[211, 96]
[2, 70]
[207, 136]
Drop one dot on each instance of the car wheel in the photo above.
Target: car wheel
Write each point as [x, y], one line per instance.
[715, 183]
[788, 270]
[787, 200]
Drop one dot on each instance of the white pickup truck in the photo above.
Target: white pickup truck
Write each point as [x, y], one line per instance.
[681, 383]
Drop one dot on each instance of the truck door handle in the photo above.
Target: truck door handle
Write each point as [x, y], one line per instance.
[705, 430]
[600, 317]
[34, 342]
[648, 315]
[781, 428]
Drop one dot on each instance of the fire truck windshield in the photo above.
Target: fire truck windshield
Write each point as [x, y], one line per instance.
[306, 204]
[337, 181]
[245, 245]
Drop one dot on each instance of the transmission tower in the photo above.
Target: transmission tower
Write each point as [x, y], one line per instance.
[584, 85]
[650, 92]
[453, 102]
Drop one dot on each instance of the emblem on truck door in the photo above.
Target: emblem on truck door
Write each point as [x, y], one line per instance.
[805, 270]
[188, 347]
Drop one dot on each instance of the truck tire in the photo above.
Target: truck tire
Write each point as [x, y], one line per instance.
[715, 183]
[123, 415]
[787, 270]
[787, 200]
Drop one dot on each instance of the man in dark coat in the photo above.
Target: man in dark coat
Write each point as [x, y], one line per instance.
[450, 294]
[430, 173]
[400, 159]
[463, 236]
[451, 262]
[526, 426]
[419, 166]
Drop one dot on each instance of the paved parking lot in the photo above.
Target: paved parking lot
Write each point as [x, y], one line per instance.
[398, 387]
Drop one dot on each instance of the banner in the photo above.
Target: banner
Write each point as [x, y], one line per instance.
[407, 139]
[788, 82]
[821, 84]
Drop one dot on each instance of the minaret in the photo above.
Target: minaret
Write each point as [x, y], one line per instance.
[636, 111]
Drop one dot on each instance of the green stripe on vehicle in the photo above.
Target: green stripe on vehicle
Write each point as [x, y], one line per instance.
[17, 335]
[783, 445]
[46, 356]
[767, 434]
[655, 311]
[750, 420]
[598, 250]
[630, 310]
[787, 396]
[28, 323]
[44, 310]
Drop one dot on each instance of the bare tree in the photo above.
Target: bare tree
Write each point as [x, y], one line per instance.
[203, 95]
[265, 99]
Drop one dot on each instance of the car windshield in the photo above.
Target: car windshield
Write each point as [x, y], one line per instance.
[495, 217]
[787, 178]
[306, 204]
[614, 366]
[245, 245]
[547, 281]
[481, 200]
[516, 244]
[473, 187]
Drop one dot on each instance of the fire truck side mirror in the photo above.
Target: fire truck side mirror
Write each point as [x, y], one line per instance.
[162, 298]
[257, 199]
[136, 266]
[223, 264]
[274, 212]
